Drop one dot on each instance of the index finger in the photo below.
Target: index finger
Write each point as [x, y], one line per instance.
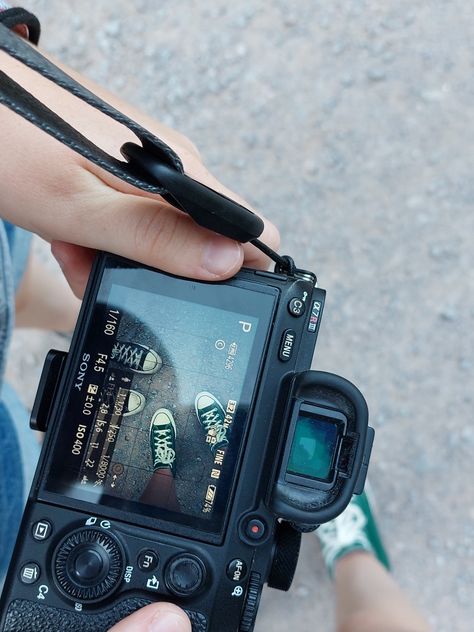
[161, 617]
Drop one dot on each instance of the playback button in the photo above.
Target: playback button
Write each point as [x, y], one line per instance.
[41, 530]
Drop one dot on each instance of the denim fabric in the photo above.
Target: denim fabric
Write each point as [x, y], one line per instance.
[6, 293]
[13, 480]
[19, 242]
[18, 451]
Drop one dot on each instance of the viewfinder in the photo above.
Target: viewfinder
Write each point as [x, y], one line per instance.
[315, 443]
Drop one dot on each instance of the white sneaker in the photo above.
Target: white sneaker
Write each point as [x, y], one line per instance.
[136, 357]
[355, 529]
[135, 403]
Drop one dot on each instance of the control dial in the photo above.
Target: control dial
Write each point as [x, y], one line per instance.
[252, 600]
[88, 564]
[185, 575]
[285, 556]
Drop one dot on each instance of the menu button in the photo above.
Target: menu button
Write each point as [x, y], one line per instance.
[287, 345]
[30, 573]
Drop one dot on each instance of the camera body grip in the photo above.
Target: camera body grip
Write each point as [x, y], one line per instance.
[28, 616]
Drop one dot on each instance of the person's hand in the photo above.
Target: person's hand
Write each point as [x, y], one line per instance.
[52, 191]
[161, 617]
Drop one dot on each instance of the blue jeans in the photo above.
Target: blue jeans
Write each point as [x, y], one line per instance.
[18, 456]
[18, 447]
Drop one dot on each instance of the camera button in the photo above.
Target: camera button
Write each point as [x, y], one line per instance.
[236, 570]
[255, 529]
[88, 566]
[296, 307]
[287, 345]
[184, 575]
[41, 530]
[148, 560]
[30, 573]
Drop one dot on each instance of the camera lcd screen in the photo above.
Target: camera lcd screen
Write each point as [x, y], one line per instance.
[160, 396]
[314, 447]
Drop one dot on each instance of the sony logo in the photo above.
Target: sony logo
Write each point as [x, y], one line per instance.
[82, 371]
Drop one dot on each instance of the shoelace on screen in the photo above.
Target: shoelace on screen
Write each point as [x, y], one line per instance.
[127, 354]
[212, 420]
[163, 453]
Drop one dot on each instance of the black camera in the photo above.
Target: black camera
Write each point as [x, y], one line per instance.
[187, 447]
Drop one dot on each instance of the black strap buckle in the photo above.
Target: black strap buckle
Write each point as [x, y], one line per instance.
[206, 206]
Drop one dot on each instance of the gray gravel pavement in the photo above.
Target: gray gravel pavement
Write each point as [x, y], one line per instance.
[350, 124]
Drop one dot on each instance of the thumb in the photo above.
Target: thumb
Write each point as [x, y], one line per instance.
[158, 617]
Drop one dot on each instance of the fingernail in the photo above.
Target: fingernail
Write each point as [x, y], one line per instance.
[221, 256]
[168, 621]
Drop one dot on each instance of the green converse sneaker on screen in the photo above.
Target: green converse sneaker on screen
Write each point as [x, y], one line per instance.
[162, 440]
[354, 530]
[211, 415]
[136, 357]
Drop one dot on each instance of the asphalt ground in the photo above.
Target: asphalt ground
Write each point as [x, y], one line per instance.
[350, 124]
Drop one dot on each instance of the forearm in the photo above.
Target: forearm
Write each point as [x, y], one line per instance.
[95, 125]
[99, 128]
[49, 189]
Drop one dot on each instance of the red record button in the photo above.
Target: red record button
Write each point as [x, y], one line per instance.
[255, 529]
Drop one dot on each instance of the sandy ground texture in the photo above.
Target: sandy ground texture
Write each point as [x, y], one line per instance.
[350, 124]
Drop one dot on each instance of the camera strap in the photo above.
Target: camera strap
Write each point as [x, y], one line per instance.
[150, 164]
